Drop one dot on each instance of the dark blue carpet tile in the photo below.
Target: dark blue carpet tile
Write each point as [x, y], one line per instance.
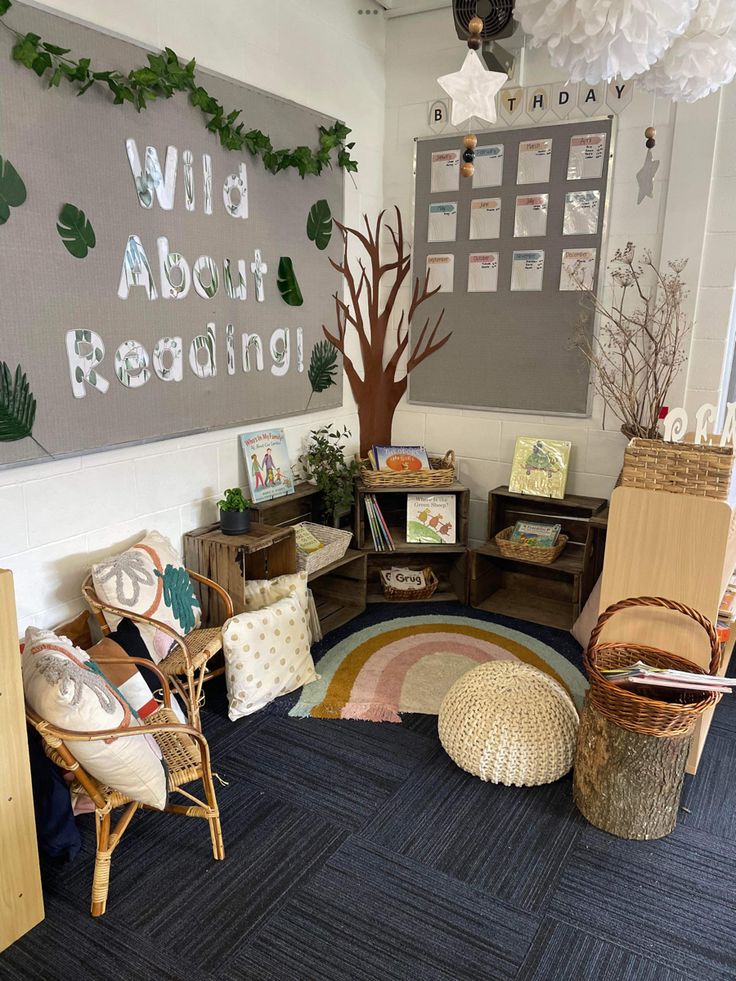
[708, 801]
[507, 841]
[671, 900]
[370, 914]
[565, 953]
[724, 717]
[343, 770]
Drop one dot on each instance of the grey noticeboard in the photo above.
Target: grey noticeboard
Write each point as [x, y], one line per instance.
[70, 149]
[509, 349]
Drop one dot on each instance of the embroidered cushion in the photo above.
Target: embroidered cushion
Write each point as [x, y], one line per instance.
[64, 686]
[150, 580]
[266, 655]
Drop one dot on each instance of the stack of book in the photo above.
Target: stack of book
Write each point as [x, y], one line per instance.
[535, 533]
[399, 459]
[644, 674]
[382, 540]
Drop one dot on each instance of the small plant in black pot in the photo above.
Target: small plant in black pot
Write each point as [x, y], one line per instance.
[234, 512]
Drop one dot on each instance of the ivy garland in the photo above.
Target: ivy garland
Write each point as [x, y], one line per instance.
[166, 75]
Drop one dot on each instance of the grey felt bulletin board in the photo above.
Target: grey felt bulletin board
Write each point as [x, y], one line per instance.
[70, 149]
[509, 350]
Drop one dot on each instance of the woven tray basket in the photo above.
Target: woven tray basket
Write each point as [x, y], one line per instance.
[645, 710]
[395, 593]
[335, 541]
[440, 474]
[529, 553]
[680, 468]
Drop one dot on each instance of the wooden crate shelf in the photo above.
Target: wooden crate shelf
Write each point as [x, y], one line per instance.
[305, 504]
[551, 594]
[339, 589]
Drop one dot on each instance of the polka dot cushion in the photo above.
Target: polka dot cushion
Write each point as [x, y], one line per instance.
[266, 655]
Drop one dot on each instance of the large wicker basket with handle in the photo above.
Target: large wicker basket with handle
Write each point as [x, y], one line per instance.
[680, 468]
[641, 712]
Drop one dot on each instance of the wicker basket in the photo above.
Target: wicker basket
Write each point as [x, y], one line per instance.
[405, 595]
[646, 711]
[440, 474]
[529, 553]
[335, 541]
[680, 468]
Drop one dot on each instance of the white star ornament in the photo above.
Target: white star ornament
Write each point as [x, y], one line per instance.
[473, 90]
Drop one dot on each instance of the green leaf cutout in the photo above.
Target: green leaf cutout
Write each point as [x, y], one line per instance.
[76, 232]
[319, 224]
[322, 366]
[17, 405]
[12, 189]
[288, 284]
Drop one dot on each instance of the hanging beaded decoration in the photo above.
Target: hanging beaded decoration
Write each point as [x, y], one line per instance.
[467, 169]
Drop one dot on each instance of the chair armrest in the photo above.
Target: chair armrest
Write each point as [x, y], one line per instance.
[138, 618]
[221, 592]
[142, 662]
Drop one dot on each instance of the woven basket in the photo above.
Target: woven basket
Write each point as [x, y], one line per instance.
[335, 541]
[680, 468]
[645, 710]
[405, 595]
[440, 474]
[529, 553]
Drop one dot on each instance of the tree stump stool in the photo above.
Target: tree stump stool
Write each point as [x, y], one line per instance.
[625, 782]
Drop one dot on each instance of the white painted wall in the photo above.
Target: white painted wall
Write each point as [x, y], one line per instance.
[57, 518]
[675, 223]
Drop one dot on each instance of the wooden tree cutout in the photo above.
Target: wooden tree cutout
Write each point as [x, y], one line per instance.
[379, 391]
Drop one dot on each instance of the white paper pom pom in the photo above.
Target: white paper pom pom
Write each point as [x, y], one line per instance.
[700, 61]
[595, 40]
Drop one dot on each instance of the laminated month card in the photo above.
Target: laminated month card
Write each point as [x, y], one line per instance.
[581, 213]
[442, 221]
[445, 170]
[267, 464]
[531, 215]
[540, 467]
[441, 269]
[578, 269]
[488, 165]
[482, 272]
[527, 270]
[485, 218]
[535, 157]
[430, 519]
[585, 159]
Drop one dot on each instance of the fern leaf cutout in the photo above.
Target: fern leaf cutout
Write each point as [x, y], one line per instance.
[322, 366]
[12, 189]
[288, 284]
[76, 232]
[17, 405]
[319, 224]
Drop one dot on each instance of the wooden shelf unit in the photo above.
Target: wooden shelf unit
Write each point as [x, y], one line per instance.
[339, 589]
[303, 505]
[672, 545]
[549, 594]
[448, 562]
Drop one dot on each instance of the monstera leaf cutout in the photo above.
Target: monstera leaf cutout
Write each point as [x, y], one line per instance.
[17, 405]
[319, 224]
[288, 284]
[76, 232]
[322, 366]
[12, 189]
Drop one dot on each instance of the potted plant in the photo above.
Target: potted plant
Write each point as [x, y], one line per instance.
[234, 512]
[326, 466]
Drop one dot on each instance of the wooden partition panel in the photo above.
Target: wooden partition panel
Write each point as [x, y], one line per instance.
[21, 900]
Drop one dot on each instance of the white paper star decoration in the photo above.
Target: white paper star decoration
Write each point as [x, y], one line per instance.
[473, 90]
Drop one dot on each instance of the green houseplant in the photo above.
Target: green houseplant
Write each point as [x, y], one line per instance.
[325, 465]
[234, 512]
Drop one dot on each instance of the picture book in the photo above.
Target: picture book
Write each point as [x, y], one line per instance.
[535, 533]
[267, 464]
[401, 458]
[431, 519]
[540, 467]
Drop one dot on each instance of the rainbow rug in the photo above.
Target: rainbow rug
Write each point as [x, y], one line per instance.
[408, 663]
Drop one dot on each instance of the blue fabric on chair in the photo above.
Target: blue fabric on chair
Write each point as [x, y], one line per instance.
[56, 829]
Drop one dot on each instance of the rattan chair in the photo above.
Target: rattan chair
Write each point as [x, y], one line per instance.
[187, 757]
[186, 666]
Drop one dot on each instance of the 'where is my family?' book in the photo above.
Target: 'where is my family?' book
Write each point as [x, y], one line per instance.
[267, 464]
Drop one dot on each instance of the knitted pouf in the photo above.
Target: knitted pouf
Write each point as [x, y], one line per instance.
[508, 722]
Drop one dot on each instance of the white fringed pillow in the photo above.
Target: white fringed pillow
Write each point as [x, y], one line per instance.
[266, 655]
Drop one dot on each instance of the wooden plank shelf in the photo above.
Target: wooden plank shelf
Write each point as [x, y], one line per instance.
[571, 560]
[339, 589]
